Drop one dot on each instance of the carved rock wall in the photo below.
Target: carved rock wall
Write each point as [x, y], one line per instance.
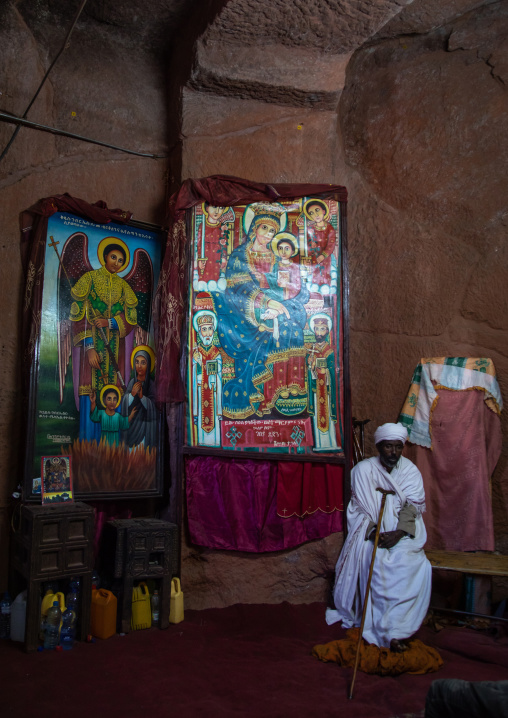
[402, 102]
[424, 122]
[420, 143]
[111, 90]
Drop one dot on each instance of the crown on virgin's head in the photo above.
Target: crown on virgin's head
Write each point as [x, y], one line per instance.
[266, 208]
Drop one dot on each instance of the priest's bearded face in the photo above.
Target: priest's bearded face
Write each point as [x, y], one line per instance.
[390, 452]
[206, 334]
[321, 331]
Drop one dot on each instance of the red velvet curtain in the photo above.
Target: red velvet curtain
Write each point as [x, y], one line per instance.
[232, 504]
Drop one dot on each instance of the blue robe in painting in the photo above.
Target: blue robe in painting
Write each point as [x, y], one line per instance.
[261, 348]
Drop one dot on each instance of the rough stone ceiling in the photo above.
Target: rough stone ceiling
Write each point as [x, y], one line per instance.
[285, 51]
[330, 26]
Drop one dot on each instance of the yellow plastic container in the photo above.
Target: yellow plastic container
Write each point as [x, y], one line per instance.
[48, 599]
[103, 613]
[176, 602]
[141, 614]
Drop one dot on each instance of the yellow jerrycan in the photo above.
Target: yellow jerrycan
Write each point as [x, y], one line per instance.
[176, 602]
[141, 615]
[48, 599]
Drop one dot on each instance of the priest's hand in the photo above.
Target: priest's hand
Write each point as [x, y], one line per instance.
[389, 539]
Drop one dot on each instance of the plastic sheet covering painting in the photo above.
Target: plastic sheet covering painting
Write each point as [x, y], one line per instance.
[265, 328]
[94, 393]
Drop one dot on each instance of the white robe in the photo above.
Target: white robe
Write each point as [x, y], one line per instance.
[401, 580]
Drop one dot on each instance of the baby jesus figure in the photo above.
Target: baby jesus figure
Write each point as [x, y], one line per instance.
[287, 270]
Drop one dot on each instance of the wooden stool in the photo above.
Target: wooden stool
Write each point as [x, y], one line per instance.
[54, 542]
[138, 549]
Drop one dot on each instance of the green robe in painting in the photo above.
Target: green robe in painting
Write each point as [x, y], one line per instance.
[110, 425]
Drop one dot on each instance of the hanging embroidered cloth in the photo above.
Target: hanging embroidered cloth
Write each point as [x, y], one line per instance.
[457, 373]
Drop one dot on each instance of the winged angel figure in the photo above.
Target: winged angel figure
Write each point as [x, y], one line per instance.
[102, 317]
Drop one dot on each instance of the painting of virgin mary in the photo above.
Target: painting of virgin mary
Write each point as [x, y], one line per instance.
[258, 329]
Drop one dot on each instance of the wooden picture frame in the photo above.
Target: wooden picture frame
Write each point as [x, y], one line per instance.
[91, 393]
[230, 277]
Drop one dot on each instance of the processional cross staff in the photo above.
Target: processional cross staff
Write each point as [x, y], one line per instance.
[54, 244]
[385, 493]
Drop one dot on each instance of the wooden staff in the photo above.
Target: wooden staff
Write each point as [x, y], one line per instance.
[364, 612]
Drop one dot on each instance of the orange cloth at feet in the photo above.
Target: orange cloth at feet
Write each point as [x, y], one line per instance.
[418, 658]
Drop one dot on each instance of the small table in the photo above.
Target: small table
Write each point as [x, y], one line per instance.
[54, 542]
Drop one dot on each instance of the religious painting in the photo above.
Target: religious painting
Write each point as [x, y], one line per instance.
[56, 479]
[93, 381]
[265, 370]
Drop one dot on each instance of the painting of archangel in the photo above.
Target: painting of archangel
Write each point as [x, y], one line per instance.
[95, 385]
[265, 334]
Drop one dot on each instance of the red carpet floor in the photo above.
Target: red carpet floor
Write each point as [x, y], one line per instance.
[242, 661]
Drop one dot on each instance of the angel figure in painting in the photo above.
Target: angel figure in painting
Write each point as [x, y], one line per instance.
[321, 241]
[206, 375]
[322, 385]
[102, 316]
[212, 245]
[140, 395]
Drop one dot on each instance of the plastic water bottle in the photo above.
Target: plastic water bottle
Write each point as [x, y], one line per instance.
[72, 600]
[68, 631]
[154, 601]
[52, 629]
[96, 579]
[5, 616]
[75, 585]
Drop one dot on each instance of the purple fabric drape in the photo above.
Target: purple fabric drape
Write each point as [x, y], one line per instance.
[232, 504]
[105, 512]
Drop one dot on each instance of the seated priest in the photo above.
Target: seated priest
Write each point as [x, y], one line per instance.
[401, 579]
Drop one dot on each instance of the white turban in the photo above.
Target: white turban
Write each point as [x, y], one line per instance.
[390, 432]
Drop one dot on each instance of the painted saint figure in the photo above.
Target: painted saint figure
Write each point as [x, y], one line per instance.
[206, 379]
[101, 316]
[111, 422]
[140, 395]
[322, 385]
[259, 329]
[103, 312]
[212, 244]
[321, 241]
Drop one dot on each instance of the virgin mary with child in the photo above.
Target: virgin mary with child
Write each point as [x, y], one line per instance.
[258, 328]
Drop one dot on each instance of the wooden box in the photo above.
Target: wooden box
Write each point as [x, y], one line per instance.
[54, 542]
